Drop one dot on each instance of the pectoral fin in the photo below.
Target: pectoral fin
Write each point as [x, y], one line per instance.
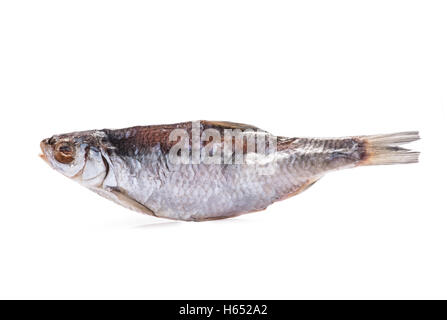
[121, 197]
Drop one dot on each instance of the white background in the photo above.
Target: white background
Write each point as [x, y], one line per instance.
[313, 68]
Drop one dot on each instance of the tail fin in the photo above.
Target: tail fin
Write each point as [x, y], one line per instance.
[384, 148]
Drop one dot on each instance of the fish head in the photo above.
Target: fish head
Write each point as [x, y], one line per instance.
[79, 156]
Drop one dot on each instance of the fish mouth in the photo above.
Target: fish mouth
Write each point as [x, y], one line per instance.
[42, 155]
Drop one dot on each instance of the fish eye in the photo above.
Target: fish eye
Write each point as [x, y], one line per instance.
[64, 152]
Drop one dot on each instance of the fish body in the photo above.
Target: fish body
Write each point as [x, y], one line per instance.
[205, 170]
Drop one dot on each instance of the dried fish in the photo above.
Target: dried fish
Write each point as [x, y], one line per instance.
[205, 170]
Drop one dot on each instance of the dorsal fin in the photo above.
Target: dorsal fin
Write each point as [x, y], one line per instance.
[230, 125]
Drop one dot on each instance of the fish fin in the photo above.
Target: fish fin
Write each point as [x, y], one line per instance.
[306, 185]
[230, 125]
[231, 215]
[128, 202]
[384, 148]
[309, 184]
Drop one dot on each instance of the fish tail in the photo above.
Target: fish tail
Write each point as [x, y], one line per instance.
[385, 148]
